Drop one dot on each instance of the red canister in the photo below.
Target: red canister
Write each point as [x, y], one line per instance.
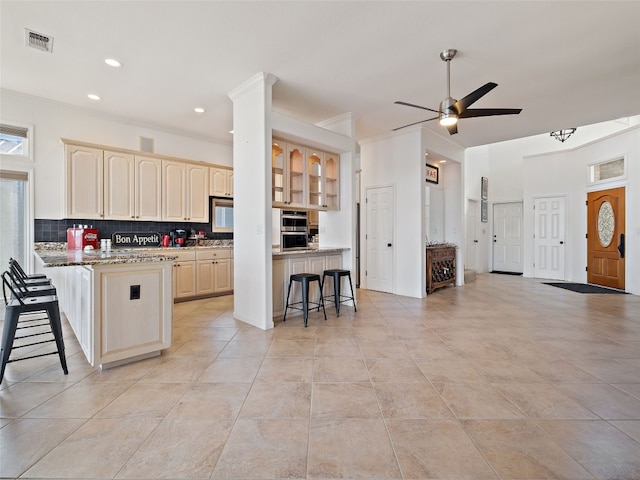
[166, 240]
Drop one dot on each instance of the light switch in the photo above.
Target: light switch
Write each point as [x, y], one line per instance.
[260, 229]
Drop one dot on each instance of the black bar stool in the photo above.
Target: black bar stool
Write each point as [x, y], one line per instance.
[19, 305]
[337, 274]
[18, 271]
[305, 279]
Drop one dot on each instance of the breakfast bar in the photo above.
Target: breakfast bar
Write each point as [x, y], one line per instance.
[119, 303]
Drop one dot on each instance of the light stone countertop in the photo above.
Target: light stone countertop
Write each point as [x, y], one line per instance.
[276, 252]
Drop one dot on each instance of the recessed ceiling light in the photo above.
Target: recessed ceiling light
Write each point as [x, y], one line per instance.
[199, 110]
[93, 96]
[442, 161]
[112, 62]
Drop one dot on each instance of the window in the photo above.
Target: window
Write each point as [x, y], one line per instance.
[608, 170]
[15, 141]
[222, 215]
[15, 218]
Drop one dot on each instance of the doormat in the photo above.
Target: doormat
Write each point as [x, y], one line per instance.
[506, 273]
[583, 287]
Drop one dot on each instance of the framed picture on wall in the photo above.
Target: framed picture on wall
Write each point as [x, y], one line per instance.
[483, 211]
[484, 188]
[431, 173]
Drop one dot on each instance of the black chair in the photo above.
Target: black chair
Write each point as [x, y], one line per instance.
[337, 297]
[23, 289]
[25, 313]
[18, 271]
[305, 279]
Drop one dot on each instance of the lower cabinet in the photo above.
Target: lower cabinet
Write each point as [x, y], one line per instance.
[282, 268]
[200, 273]
[441, 267]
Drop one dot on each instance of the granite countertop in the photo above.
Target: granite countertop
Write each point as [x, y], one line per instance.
[66, 258]
[276, 252]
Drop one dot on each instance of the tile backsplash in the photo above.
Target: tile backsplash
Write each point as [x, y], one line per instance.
[46, 230]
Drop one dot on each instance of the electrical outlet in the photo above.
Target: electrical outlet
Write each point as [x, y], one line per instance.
[134, 292]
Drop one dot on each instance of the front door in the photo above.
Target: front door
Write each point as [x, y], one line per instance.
[605, 238]
[548, 237]
[507, 237]
[379, 237]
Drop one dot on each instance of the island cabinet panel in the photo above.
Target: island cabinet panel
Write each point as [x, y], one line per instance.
[285, 266]
[134, 311]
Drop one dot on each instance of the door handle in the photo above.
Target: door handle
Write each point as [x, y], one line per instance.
[561, 242]
[388, 244]
[621, 246]
[475, 241]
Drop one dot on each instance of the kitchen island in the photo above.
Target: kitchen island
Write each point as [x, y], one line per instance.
[307, 260]
[119, 303]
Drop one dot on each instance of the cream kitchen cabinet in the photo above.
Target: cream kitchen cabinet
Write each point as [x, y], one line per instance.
[304, 262]
[185, 188]
[112, 185]
[132, 187]
[214, 271]
[184, 274]
[220, 182]
[84, 189]
[304, 177]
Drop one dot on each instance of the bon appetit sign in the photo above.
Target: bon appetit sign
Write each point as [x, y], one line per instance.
[135, 239]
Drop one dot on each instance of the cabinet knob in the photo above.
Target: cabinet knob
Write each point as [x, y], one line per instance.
[132, 216]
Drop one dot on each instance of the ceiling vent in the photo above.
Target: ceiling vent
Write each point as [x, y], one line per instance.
[38, 41]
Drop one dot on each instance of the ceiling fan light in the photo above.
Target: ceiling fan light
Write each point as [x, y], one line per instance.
[448, 119]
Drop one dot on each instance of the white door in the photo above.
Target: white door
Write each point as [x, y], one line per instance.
[507, 237]
[379, 237]
[471, 250]
[549, 231]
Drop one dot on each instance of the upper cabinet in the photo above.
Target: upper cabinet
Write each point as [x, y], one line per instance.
[85, 171]
[304, 177]
[114, 184]
[185, 189]
[220, 182]
[132, 187]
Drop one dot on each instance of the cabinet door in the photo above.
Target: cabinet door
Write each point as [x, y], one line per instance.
[217, 182]
[173, 188]
[331, 179]
[185, 279]
[279, 178]
[148, 191]
[197, 193]
[84, 182]
[280, 284]
[222, 275]
[205, 277]
[297, 170]
[119, 186]
[315, 179]
[230, 183]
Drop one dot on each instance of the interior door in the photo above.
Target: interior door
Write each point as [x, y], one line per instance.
[549, 236]
[471, 250]
[379, 237]
[606, 238]
[507, 237]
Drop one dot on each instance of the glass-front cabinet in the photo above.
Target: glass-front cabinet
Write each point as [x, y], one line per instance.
[315, 170]
[304, 177]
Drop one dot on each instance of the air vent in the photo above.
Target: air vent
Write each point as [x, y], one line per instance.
[38, 41]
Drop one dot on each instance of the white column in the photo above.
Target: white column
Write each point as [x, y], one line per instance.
[253, 300]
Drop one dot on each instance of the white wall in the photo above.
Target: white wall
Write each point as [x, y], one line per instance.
[520, 170]
[53, 121]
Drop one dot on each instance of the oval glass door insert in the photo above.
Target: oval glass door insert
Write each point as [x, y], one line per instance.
[606, 224]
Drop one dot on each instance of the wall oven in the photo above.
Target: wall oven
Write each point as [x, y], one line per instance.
[293, 230]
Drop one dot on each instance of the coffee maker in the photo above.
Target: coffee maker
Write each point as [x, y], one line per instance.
[178, 237]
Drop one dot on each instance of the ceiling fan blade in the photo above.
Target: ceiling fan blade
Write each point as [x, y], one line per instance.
[415, 123]
[416, 106]
[464, 103]
[488, 112]
[453, 129]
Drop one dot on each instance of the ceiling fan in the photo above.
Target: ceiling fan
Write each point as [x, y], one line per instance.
[451, 109]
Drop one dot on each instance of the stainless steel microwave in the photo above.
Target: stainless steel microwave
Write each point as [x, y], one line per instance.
[293, 240]
[293, 221]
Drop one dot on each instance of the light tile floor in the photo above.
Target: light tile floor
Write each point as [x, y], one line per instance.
[504, 378]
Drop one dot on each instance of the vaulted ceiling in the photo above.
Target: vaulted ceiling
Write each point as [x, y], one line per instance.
[565, 64]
